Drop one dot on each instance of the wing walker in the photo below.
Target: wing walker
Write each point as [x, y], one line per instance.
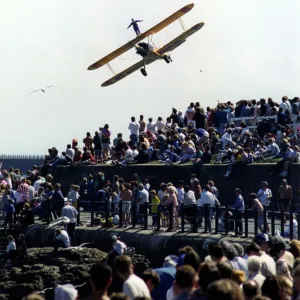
[148, 51]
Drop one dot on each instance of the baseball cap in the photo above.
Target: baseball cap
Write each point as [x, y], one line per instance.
[262, 238]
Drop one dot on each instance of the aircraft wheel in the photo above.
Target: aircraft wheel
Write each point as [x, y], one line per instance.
[143, 71]
[167, 59]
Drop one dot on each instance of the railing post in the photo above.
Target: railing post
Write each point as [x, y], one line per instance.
[106, 212]
[255, 222]
[217, 219]
[205, 218]
[158, 217]
[272, 220]
[265, 221]
[182, 216]
[78, 210]
[194, 226]
[93, 210]
[170, 217]
[146, 216]
[282, 222]
[291, 225]
[235, 223]
[246, 223]
[120, 213]
[133, 214]
[226, 220]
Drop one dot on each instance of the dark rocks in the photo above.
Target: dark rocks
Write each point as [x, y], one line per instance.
[42, 269]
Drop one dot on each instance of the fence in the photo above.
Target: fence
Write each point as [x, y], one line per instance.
[215, 220]
[294, 119]
[22, 156]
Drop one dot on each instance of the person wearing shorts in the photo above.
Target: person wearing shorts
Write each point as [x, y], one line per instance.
[284, 196]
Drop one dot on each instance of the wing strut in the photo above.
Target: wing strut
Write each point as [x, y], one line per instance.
[110, 67]
[182, 24]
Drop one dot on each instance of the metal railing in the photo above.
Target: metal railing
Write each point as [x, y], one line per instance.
[22, 156]
[215, 220]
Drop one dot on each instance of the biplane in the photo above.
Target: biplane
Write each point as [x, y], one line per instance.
[149, 51]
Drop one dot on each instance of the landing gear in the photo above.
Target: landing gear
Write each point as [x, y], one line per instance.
[167, 59]
[143, 71]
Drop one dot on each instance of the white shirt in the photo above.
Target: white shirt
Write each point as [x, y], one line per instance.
[11, 246]
[37, 183]
[160, 194]
[262, 196]
[134, 128]
[70, 152]
[206, 198]
[160, 125]
[69, 212]
[64, 237]
[120, 247]
[129, 155]
[151, 127]
[170, 294]
[135, 287]
[135, 153]
[224, 139]
[31, 192]
[18, 197]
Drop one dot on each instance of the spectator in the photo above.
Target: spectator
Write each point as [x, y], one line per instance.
[254, 266]
[105, 141]
[134, 128]
[151, 279]
[133, 285]
[239, 207]
[88, 141]
[250, 289]
[61, 239]
[97, 147]
[142, 124]
[225, 290]
[71, 213]
[66, 291]
[284, 196]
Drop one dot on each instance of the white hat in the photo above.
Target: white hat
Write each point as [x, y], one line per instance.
[65, 292]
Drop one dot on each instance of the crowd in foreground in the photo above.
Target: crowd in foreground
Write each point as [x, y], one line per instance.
[267, 269]
[267, 131]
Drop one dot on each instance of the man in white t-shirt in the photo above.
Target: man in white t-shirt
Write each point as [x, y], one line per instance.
[61, 239]
[134, 128]
[133, 285]
[264, 195]
[119, 246]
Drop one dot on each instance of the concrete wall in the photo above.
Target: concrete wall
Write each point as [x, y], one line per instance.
[154, 245]
[249, 183]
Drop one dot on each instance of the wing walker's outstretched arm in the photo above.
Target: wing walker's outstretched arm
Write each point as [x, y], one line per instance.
[138, 21]
[130, 25]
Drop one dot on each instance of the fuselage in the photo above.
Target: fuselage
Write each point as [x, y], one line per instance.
[148, 50]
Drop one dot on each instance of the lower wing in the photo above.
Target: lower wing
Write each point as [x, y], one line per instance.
[180, 39]
[127, 72]
[33, 92]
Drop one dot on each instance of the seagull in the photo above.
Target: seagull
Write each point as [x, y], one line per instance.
[43, 90]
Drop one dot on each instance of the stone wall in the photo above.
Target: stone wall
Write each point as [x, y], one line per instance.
[157, 173]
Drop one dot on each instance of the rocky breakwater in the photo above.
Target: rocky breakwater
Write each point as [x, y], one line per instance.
[42, 269]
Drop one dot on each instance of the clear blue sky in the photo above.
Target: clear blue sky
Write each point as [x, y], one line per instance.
[247, 49]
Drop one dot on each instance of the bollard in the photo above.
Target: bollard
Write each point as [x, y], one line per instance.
[146, 216]
[133, 213]
[120, 214]
[182, 216]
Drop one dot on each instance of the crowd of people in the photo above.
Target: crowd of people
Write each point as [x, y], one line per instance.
[201, 136]
[267, 269]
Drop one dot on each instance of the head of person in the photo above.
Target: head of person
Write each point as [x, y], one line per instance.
[124, 266]
[228, 250]
[250, 289]
[65, 292]
[224, 289]
[100, 277]
[271, 288]
[132, 119]
[252, 249]
[262, 240]
[208, 273]
[225, 269]
[238, 276]
[185, 280]
[215, 251]
[151, 279]
[254, 264]
[237, 191]
[33, 296]
[190, 257]
[119, 296]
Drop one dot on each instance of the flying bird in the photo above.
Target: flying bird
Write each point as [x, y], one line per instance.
[43, 90]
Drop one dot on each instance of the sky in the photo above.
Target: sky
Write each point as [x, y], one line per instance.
[248, 49]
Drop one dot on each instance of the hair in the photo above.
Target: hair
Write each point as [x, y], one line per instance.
[119, 296]
[286, 286]
[261, 297]
[151, 275]
[191, 257]
[271, 288]
[100, 275]
[208, 273]
[250, 288]
[215, 250]
[225, 290]
[33, 296]
[253, 247]
[254, 264]
[123, 264]
[229, 250]
[185, 277]
[238, 276]
[225, 269]
[295, 248]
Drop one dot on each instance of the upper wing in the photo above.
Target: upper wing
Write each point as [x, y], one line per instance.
[142, 36]
[49, 86]
[126, 72]
[180, 39]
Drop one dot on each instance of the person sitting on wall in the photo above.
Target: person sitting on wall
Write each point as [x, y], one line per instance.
[118, 245]
[61, 239]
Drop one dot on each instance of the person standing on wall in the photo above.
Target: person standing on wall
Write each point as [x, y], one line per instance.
[71, 213]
